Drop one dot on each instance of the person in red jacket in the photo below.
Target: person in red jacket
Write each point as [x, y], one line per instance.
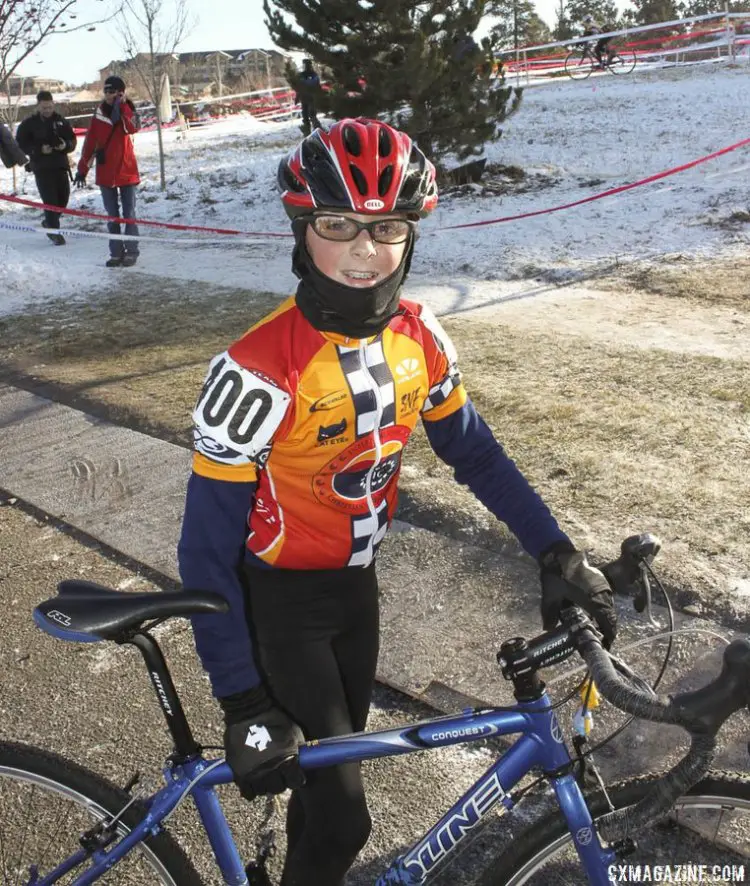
[109, 141]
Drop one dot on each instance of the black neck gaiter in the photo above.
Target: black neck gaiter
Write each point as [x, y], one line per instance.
[332, 307]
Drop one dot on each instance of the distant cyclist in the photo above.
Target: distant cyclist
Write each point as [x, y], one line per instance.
[591, 28]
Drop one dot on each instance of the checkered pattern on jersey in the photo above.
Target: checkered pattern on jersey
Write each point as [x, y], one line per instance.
[440, 392]
[360, 381]
[367, 533]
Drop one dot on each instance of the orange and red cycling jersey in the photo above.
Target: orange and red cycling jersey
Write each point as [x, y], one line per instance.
[299, 436]
[319, 423]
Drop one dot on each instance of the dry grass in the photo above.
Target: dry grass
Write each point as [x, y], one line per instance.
[622, 439]
[719, 282]
[137, 357]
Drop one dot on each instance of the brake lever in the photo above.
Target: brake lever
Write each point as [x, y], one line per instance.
[642, 599]
[638, 553]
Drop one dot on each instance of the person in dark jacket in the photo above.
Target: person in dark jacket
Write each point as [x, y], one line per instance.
[48, 138]
[308, 85]
[10, 154]
[109, 140]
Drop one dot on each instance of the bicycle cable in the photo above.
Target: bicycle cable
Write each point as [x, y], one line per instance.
[189, 788]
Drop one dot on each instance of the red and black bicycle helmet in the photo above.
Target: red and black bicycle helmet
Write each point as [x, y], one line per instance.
[358, 165]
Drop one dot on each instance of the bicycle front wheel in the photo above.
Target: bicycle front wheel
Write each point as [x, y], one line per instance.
[578, 66]
[710, 825]
[622, 63]
[47, 803]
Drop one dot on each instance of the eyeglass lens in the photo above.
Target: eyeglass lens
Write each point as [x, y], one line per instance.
[336, 227]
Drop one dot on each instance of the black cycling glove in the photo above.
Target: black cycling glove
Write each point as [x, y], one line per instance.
[261, 744]
[567, 577]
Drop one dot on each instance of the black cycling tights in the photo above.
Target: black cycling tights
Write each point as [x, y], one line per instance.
[317, 634]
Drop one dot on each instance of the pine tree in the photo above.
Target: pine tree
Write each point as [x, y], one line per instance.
[518, 25]
[563, 29]
[706, 7]
[412, 63]
[649, 12]
[604, 12]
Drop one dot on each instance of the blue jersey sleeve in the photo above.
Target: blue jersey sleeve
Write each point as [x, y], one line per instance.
[463, 441]
[210, 555]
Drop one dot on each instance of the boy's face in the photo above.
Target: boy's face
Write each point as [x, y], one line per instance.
[361, 262]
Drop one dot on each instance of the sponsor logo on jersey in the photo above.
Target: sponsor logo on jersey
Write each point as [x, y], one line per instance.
[332, 433]
[408, 369]
[410, 402]
[342, 483]
[330, 401]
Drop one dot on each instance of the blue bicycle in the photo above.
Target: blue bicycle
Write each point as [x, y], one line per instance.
[60, 823]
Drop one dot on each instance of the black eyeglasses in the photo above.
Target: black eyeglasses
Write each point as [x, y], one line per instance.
[109, 89]
[343, 229]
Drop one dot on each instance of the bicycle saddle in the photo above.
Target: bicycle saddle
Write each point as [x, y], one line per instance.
[86, 612]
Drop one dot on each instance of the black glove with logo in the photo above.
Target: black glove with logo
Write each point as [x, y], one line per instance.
[80, 180]
[261, 744]
[567, 578]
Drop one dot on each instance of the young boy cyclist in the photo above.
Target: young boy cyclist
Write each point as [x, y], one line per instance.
[299, 434]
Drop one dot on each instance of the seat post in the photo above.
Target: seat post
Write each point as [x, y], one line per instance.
[161, 679]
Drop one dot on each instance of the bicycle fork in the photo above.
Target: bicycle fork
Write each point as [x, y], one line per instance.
[595, 859]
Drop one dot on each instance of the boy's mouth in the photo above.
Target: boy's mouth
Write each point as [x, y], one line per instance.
[360, 275]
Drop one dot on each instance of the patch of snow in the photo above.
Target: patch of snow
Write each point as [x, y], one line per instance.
[578, 138]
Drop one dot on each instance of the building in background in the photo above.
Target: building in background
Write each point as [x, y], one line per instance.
[218, 72]
[18, 85]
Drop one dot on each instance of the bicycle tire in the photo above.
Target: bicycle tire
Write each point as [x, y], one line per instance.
[622, 63]
[537, 857]
[70, 798]
[578, 66]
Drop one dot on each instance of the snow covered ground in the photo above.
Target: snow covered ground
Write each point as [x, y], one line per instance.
[572, 139]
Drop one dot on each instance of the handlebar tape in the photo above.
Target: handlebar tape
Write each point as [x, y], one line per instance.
[701, 713]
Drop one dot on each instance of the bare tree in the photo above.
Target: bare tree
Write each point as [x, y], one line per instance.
[25, 25]
[151, 33]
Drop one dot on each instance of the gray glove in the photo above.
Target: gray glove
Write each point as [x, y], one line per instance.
[568, 578]
[261, 745]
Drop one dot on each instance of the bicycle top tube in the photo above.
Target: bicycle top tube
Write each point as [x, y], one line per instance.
[531, 718]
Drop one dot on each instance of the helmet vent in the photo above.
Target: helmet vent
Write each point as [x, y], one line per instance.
[385, 145]
[351, 140]
[359, 180]
[289, 181]
[386, 178]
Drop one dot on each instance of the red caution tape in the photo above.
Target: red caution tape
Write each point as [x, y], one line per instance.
[138, 221]
[609, 193]
[492, 221]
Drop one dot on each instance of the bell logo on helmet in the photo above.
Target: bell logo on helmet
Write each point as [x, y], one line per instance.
[374, 204]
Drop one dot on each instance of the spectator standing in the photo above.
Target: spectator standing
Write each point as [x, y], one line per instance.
[308, 85]
[109, 141]
[48, 138]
